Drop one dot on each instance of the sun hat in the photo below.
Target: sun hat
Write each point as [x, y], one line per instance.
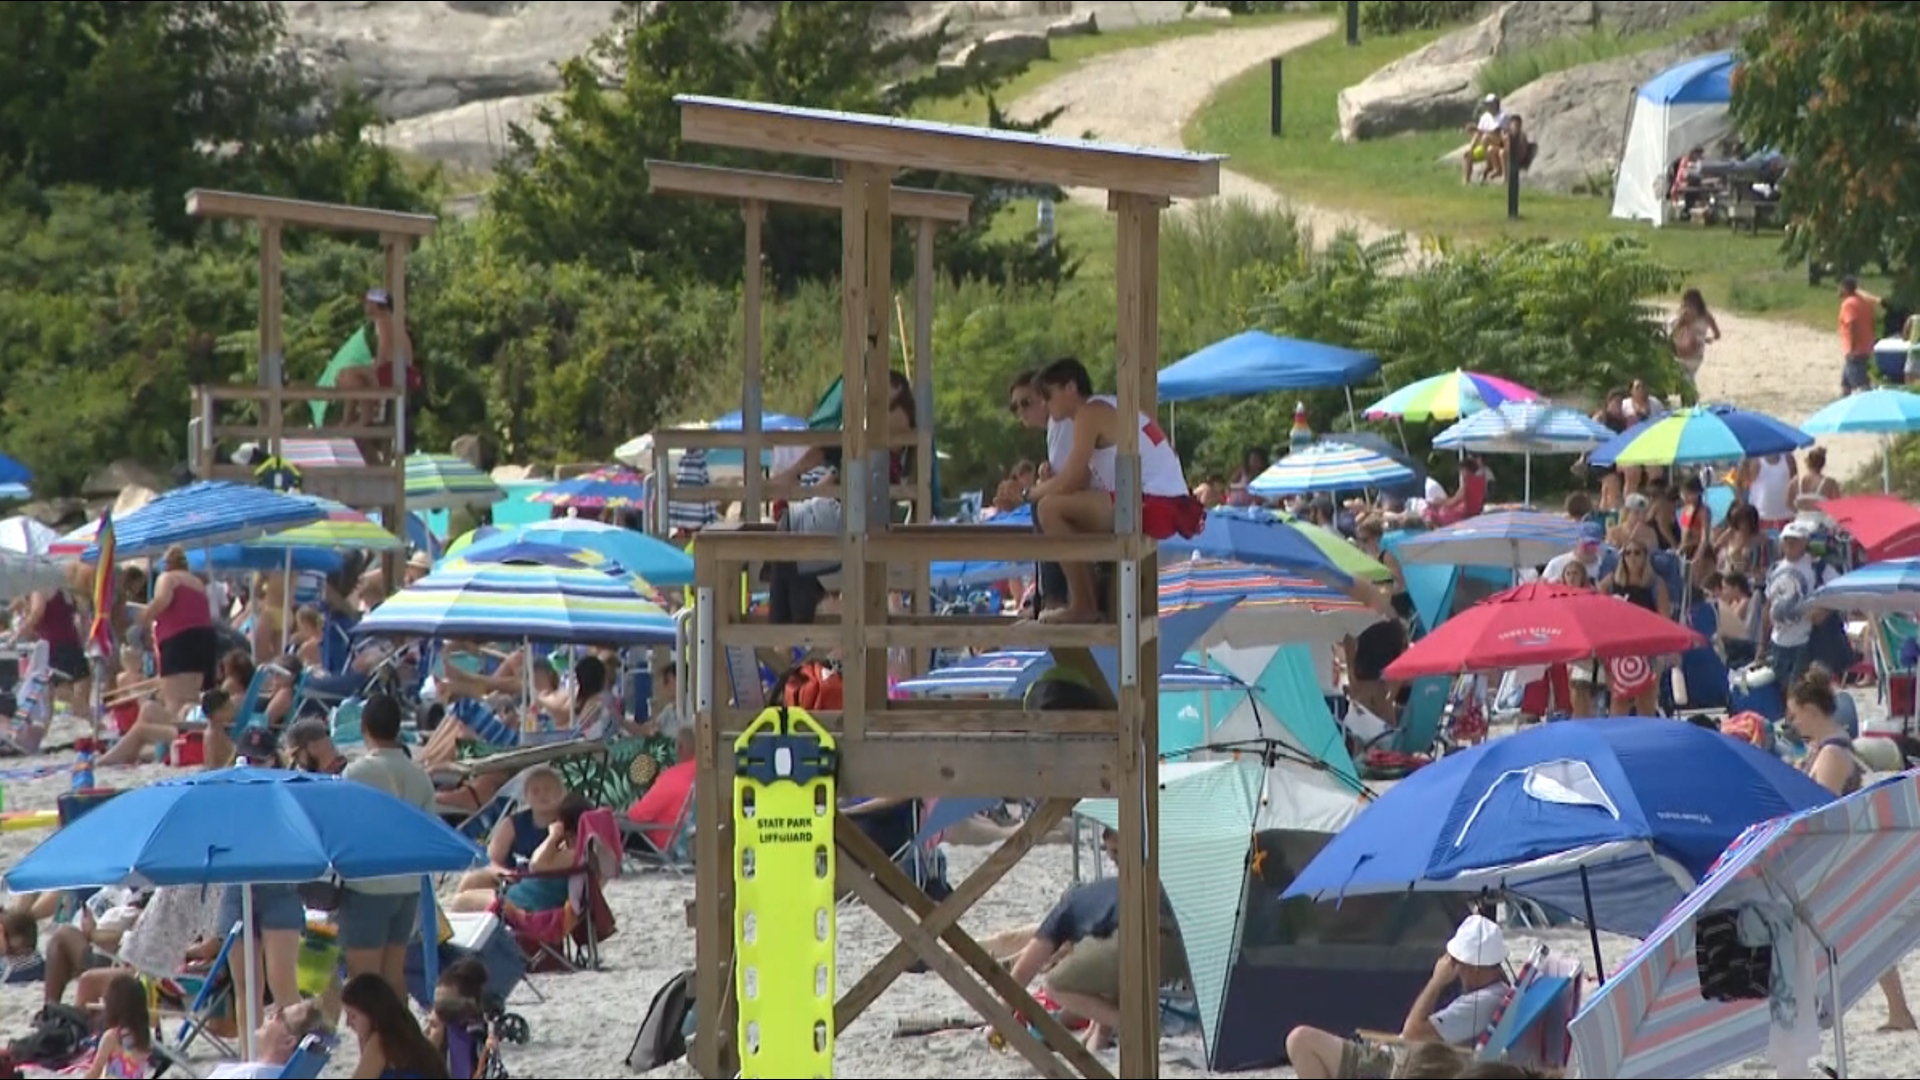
[1478, 943]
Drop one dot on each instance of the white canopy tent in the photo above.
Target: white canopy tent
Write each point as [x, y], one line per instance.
[1682, 107]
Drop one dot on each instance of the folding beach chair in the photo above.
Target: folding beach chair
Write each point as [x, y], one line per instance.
[1409, 744]
[210, 1000]
[662, 843]
[309, 1059]
[567, 938]
[32, 704]
[1530, 1027]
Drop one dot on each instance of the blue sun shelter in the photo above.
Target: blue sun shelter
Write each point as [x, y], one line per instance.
[1682, 107]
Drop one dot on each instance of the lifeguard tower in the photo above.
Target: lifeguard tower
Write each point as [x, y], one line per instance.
[928, 749]
[225, 416]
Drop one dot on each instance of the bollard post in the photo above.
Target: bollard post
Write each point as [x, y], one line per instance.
[1353, 22]
[1513, 190]
[1273, 71]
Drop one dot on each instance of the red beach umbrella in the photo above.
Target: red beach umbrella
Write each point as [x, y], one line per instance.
[1539, 624]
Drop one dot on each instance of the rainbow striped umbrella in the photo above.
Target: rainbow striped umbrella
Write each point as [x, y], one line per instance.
[1448, 397]
[1849, 871]
[531, 592]
[342, 528]
[1700, 435]
[1275, 609]
[443, 482]
[1329, 466]
[614, 487]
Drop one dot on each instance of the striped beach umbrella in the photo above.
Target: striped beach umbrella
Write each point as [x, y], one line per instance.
[1000, 674]
[1877, 588]
[1510, 539]
[307, 454]
[530, 593]
[652, 559]
[1700, 435]
[614, 487]
[1329, 466]
[343, 527]
[205, 514]
[1847, 871]
[443, 481]
[1525, 427]
[1448, 397]
[1275, 608]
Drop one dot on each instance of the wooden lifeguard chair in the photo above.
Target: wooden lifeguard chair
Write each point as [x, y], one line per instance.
[216, 430]
[925, 749]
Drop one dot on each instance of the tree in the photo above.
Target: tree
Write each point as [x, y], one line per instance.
[1832, 86]
[583, 192]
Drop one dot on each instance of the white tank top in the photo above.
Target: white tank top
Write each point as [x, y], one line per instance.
[1768, 491]
[1059, 444]
[1160, 472]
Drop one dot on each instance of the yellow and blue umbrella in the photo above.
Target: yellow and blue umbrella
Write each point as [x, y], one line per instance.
[1701, 435]
[1448, 397]
[442, 482]
[530, 592]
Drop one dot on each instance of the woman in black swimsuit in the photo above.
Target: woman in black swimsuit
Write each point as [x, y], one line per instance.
[1635, 582]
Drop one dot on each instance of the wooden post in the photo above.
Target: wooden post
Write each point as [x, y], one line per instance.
[752, 400]
[927, 505]
[394, 280]
[272, 345]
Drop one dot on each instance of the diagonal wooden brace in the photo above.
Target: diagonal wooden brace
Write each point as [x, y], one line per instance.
[951, 910]
[891, 895]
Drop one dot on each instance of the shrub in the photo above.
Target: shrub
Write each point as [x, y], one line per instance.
[1399, 16]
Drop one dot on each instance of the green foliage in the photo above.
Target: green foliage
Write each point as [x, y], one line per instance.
[1831, 86]
[583, 194]
[1510, 71]
[1397, 16]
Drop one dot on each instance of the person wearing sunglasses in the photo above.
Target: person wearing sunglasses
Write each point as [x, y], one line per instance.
[1633, 684]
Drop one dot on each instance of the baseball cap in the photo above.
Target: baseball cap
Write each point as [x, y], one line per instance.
[256, 745]
[1797, 530]
[1490, 99]
[1479, 942]
[1591, 533]
[379, 298]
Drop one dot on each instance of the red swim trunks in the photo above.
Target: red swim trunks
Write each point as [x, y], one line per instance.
[1164, 516]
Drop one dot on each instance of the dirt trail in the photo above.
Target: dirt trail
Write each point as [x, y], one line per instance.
[1146, 96]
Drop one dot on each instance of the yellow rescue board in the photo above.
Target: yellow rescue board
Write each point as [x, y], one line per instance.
[784, 933]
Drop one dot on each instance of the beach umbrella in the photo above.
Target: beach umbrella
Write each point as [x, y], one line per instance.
[305, 454]
[73, 544]
[443, 482]
[1258, 537]
[530, 592]
[21, 575]
[342, 528]
[205, 514]
[1273, 608]
[1538, 624]
[243, 827]
[973, 573]
[1615, 819]
[1525, 428]
[1880, 588]
[1509, 539]
[615, 487]
[23, 535]
[1448, 397]
[1885, 412]
[1008, 673]
[1701, 435]
[229, 558]
[653, 560]
[1885, 526]
[1329, 466]
[1844, 873]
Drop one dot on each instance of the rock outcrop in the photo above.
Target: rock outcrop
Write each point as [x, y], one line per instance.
[1436, 86]
[454, 75]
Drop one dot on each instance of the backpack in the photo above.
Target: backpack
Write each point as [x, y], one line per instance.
[815, 687]
[669, 1020]
[58, 1037]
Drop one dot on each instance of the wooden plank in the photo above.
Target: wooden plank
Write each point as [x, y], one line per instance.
[925, 507]
[684, 438]
[291, 394]
[754, 213]
[769, 489]
[997, 718]
[926, 767]
[713, 863]
[819, 193]
[918, 144]
[233, 205]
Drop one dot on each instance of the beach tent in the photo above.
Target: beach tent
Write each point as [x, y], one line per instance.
[1682, 107]
[1256, 362]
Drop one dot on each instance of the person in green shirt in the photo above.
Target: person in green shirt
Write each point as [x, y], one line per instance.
[366, 361]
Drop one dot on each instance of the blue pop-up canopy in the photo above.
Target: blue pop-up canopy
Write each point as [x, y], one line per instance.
[1256, 362]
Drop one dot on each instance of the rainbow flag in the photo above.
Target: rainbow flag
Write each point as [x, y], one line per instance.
[100, 635]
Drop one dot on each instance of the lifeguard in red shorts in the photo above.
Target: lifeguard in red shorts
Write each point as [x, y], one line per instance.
[1079, 498]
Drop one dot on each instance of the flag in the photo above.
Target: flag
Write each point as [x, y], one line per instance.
[100, 635]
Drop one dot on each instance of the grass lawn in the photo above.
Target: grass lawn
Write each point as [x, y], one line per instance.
[1404, 183]
[1071, 52]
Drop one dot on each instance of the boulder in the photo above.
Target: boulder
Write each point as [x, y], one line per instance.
[1205, 11]
[119, 476]
[1085, 24]
[1385, 103]
[1007, 49]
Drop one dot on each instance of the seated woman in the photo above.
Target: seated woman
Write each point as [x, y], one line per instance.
[557, 853]
[464, 677]
[1467, 500]
[169, 931]
[284, 681]
[518, 835]
[309, 634]
[155, 730]
[1372, 710]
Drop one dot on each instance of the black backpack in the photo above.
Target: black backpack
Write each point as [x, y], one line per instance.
[58, 1037]
[663, 1034]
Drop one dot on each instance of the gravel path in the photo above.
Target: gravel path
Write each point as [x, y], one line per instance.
[1145, 97]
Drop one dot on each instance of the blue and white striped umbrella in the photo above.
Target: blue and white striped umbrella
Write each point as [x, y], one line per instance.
[1001, 674]
[532, 592]
[1525, 427]
[206, 514]
[1509, 539]
[1877, 589]
[1329, 466]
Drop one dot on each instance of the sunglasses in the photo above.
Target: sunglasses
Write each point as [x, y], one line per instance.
[1634, 551]
[1021, 404]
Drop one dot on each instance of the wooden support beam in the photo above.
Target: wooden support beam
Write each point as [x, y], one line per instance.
[819, 193]
[753, 213]
[918, 144]
[232, 205]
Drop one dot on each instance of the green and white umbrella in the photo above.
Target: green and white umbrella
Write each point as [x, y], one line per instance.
[444, 482]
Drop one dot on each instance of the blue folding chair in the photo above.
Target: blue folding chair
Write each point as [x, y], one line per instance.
[210, 999]
[308, 1059]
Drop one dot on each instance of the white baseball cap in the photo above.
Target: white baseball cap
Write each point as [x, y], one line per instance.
[1478, 943]
[1797, 530]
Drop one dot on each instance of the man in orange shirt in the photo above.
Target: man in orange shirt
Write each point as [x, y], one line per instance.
[1856, 335]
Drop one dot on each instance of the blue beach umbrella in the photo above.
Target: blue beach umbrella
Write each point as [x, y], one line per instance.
[971, 573]
[1259, 537]
[1009, 673]
[1885, 412]
[231, 557]
[206, 514]
[1701, 435]
[655, 561]
[1877, 588]
[528, 592]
